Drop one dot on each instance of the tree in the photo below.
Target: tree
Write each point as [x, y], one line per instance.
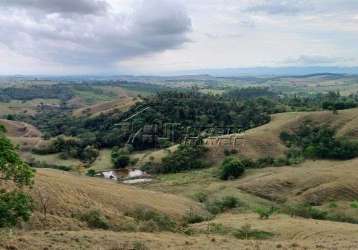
[44, 198]
[231, 168]
[15, 205]
[120, 157]
[90, 154]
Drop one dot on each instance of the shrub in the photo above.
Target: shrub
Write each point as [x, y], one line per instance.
[95, 219]
[265, 213]
[219, 206]
[91, 173]
[200, 197]
[354, 204]
[151, 167]
[230, 169]
[218, 228]
[229, 152]
[152, 220]
[281, 161]
[333, 205]
[191, 217]
[307, 211]
[248, 163]
[246, 232]
[229, 202]
[38, 164]
[137, 245]
[264, 162]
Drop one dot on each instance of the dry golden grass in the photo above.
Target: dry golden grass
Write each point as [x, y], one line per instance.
[70, 193]
[105, 240]
[20, 129]
[311, 181]
[51, 159]
[24, 107]
[305, 232]
[122, 104]
[289, 233]
[103, 161]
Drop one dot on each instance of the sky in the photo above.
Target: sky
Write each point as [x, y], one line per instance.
[64, 37]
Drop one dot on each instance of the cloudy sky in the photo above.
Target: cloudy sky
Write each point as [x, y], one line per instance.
[161, 36]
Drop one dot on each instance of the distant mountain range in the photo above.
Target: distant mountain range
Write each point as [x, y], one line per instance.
[271, 71]
[204, 74]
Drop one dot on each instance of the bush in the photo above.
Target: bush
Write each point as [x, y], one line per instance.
[38, 164]
[200, 197]
[307, 211]
[246, 233]
[354, 204]
[229, 202]
[229, 152]
[219, 206]
[218, 228]
[91, 173]
[95, 219]
[231, 168]
[137, 245]
[191, 217]
[265, 213]
[151, 220]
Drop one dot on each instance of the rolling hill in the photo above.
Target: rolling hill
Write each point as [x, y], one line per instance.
[23, 134]
[264, 141]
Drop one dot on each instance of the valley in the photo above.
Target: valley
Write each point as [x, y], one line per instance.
[285, 199]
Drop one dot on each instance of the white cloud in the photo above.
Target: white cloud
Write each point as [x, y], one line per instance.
[59, 6]
[88, 37]
[161, 35]
[316, 60]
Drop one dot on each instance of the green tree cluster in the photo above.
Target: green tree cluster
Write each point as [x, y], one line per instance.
[15, 205]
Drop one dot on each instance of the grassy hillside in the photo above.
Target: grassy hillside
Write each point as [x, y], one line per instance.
[70, 194]
[264, 141]
[122, 104]
[23, 134]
